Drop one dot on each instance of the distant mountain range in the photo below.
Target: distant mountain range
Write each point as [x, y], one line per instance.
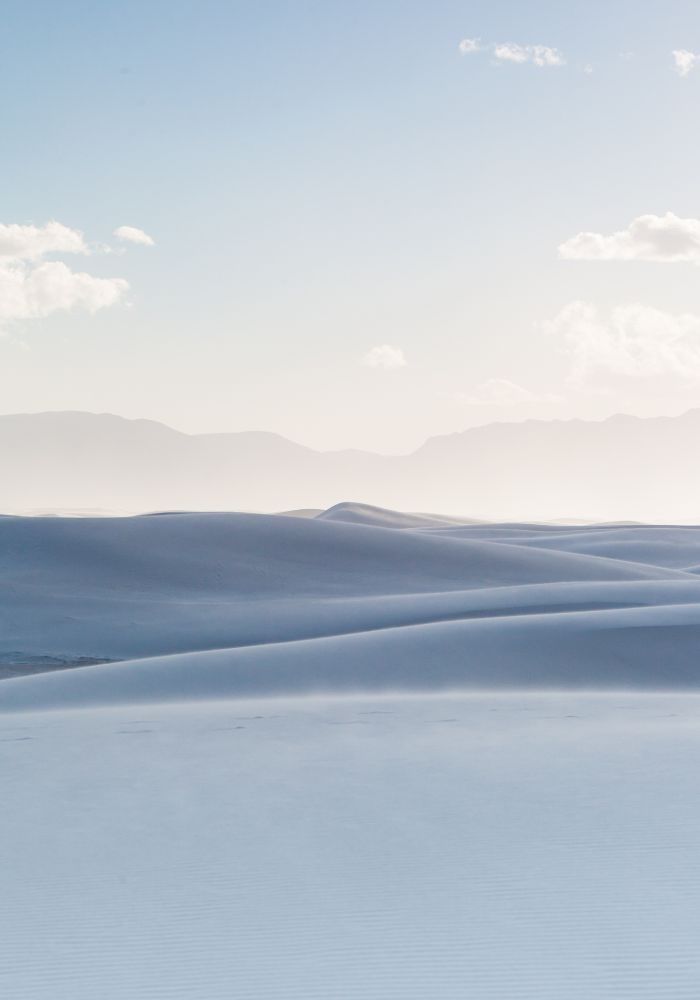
[621, 468]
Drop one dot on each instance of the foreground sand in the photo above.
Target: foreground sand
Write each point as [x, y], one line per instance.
[491, 846]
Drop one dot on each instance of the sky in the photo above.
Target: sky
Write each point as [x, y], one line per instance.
[356, 224]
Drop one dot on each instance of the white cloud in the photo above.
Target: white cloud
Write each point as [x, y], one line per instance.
[36, 292]
[19, 242]
[540, 55]
[510, 52]
[684, 61]
[468, 45]
[666, 238]
[502, 392]
[588, 69]
[131, 234]
[385, 356]
[634, 340]
[32, 288]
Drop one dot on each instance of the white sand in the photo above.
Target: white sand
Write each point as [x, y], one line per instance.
[492, 846]
[344, 776]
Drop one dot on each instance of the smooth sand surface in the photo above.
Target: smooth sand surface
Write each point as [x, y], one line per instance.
[356, 757]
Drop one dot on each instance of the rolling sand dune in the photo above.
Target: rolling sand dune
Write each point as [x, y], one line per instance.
[121, 588]
[640, 648]
[359, 755]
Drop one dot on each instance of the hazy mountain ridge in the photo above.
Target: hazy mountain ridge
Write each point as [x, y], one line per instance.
[622, 467]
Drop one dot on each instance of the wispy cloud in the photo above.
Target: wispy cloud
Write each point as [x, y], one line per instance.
[684, 61]
[513, 52]
[32, 287]
[663, 238]
[130, 234]
[385, 356]
[468, 45]
[633, 340]
[502, 392]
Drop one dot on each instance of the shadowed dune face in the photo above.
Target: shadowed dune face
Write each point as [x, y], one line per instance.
[256, 555]
[357, 598]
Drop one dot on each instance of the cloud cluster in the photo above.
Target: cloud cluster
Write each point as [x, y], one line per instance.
[665, 238]
[28, 243]
[513, 52]
[36, 292]
[633, 340]
[540, 55]
[684, 61]
[32, 287]
[385, 356]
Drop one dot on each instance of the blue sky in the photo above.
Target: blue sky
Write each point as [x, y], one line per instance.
[326, 179]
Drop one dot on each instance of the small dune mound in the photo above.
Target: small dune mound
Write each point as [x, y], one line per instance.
[380, 517]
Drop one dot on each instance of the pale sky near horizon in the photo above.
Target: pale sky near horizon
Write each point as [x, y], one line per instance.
[364, 217]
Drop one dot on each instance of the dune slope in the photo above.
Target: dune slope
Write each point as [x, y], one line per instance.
[233, 604]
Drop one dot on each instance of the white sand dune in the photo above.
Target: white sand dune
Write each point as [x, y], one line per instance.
[380, 517]
[660, 546]
[130, 587]
[649, 648]
[256, 604]
[361, 755]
